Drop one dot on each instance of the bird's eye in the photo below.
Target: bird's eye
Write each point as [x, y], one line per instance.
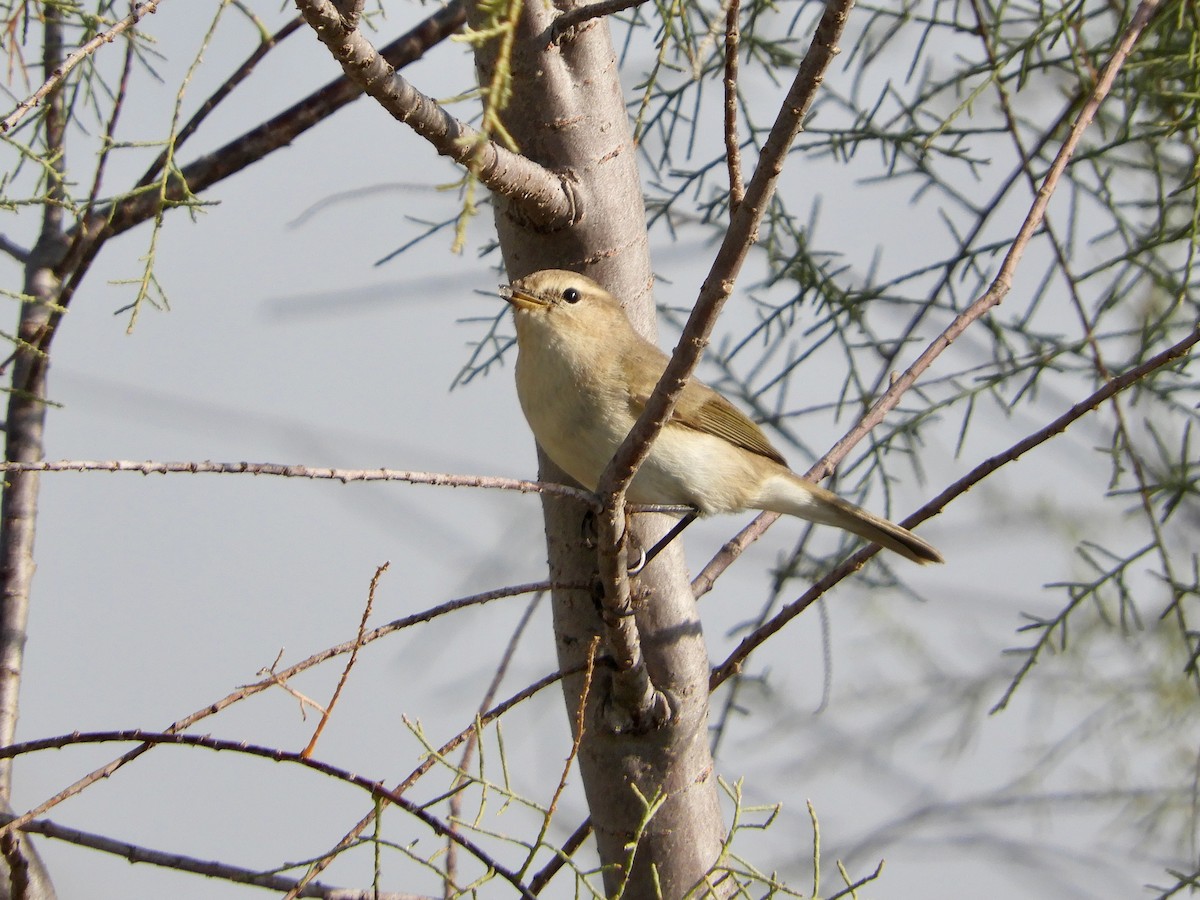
[571, 295]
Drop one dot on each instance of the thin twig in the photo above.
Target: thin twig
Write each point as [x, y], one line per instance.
[733, 151]
[110, 130]
[358, 642]
[735, 659]
[377, 789]
[272, 680]
[580, 726]
[715, 291]
[545, 197]
[580, 14]
[64, 68]
[991, 298]
[317, 473]
[489, 697]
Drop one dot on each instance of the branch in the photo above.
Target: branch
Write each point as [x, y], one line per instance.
[733, 152]
[430, 759]
[236, 874]
[728, 262]
[297, 471]
[327, 712]
[580, 14]
[1113, 387]
[13, 249]
[1002, 283]
[63, 69]
[642, 701]
[546, 198]
[274, 679]
[377, 789]
[995, 293]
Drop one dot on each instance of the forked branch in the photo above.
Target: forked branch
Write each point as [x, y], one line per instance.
[545, 197]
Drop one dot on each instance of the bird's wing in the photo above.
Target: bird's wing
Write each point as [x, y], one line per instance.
[703, 409]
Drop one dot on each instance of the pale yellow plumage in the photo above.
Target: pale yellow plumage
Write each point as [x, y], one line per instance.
[583, 377]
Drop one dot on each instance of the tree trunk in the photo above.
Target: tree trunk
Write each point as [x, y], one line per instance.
[568, 113]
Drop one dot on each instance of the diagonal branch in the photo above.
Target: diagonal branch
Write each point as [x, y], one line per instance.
[742, 233]
[1002, 283]
[642, 702]
[316, 473]
[377, 789]
[546, 198]
[995, 293]
[131, 210]
[1112, 388]
[60, 71]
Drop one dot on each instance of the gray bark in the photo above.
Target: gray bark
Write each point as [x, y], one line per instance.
[24, 874]
[568, 113]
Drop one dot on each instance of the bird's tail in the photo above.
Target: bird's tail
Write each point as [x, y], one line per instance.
[790, 494]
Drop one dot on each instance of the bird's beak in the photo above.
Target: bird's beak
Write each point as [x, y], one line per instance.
[521, 298]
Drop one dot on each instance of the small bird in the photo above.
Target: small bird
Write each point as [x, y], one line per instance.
[584, 375]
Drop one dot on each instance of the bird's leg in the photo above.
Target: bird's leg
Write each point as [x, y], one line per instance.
[589, 532]
[634, 547]
[665, 540]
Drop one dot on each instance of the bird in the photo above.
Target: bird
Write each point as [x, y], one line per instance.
[584, 375]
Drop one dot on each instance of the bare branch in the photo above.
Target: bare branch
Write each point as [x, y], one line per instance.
[358, 643]
[992, 297]
[713, 294]
[546, 198]
[297, 471]
[1002, 283]
[224, 871]
[580, 14]
[377, 789]
[64, 68]
[733, 152]
[734, 661]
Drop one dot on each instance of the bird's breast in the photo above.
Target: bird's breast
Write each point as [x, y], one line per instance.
[573, 409]
[578, 405]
